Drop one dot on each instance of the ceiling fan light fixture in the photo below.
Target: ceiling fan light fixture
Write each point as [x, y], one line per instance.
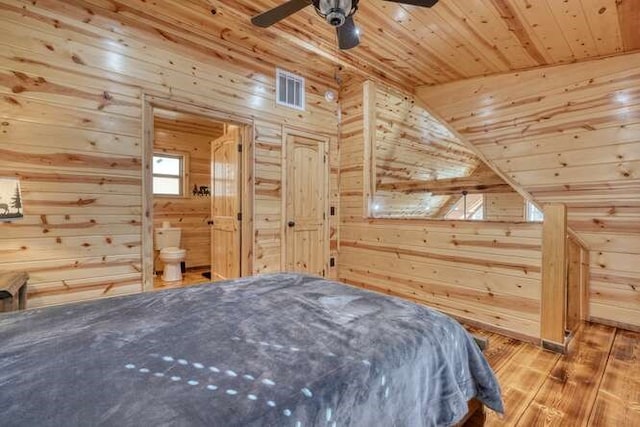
[336, 18]
[335, 12]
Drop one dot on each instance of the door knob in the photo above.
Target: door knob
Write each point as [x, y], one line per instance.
[291, 223]
[209, 222]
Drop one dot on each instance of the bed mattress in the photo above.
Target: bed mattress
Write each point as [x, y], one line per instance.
[273, 350]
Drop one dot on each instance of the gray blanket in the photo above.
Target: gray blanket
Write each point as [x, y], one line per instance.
[277, 350]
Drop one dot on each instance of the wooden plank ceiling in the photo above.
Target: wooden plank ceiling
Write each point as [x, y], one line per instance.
[456, 39]
[405, 46]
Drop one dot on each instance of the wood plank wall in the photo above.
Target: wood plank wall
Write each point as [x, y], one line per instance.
[485, 272]
[71, 79]
[190, 212]
[504, 207]
[421, 168]
[268, 198]
[568, 134]
[402, 128]
[269, 215]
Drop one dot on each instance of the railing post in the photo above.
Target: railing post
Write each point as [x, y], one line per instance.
[554, 277]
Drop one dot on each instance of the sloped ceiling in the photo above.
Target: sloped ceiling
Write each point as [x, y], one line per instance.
[567, 134]
[458, 39]
[405, 46]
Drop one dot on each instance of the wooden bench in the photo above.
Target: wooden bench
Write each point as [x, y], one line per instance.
[13, 291]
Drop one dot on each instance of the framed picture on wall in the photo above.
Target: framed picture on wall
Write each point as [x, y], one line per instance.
[10, 200]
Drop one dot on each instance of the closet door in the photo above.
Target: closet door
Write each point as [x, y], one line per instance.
[306, 183]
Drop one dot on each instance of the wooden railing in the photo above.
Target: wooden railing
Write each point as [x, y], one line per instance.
[565, 280]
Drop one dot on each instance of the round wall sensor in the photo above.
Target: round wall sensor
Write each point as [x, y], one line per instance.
[330, 96]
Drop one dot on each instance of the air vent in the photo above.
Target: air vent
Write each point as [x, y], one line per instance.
[289, 89]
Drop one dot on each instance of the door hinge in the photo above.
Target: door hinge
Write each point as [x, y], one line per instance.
[239, 148]
[324, 158]
[239, 216]
[324, 215]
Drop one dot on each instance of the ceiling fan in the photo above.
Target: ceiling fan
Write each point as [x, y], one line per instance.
[337, 13]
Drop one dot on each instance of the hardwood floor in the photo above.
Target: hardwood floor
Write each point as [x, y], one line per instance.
[597, 383]
[191, 277]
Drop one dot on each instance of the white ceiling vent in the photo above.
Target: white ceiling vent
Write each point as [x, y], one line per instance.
[289, 89]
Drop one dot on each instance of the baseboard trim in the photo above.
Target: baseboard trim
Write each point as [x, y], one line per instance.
[554, 346]
[495, 329]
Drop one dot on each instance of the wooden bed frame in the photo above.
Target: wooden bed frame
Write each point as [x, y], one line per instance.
[476, 415]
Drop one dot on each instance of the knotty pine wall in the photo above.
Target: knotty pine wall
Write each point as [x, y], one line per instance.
[568, 134]
[190, 212]
[421, 168]
[401, 155]
[484, 272]
[504, 207]
[72, 76]
[403, 159]
[268, 214]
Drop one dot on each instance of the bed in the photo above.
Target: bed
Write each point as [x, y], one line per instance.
[273, 350]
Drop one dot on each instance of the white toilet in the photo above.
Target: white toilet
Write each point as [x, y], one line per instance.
[167, 241]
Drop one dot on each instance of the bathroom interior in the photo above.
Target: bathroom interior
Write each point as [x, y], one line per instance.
[184, 178]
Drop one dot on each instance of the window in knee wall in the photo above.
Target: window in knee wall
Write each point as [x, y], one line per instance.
[467, 207]
[533, 213]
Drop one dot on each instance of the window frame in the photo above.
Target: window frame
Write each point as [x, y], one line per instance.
[183, 159]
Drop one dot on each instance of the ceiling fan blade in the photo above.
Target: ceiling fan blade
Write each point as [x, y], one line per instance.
[271, 16]
[423, 3]
[348, 34]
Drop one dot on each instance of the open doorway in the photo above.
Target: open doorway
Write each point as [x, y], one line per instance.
[195, 195]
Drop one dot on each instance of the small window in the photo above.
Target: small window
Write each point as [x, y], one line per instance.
[534, 214]
[168, 174]
[469, 206]
[289, 89]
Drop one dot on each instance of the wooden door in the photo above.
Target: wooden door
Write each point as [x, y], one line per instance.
[306, 198]
[225, 205]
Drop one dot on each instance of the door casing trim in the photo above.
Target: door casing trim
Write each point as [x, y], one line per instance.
[149, 102]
